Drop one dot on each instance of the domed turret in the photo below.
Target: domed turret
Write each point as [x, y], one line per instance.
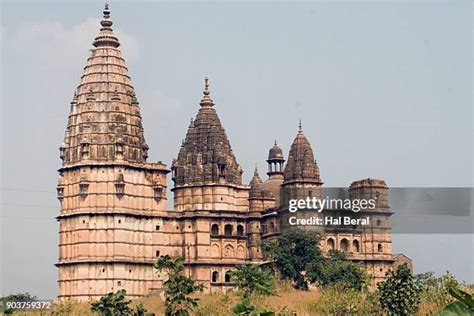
[275, 161]
[275, 153]
[275, 172]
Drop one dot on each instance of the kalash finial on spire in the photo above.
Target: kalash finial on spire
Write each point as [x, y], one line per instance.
[106, 22]
[206, 99]
[106, 36]
[300, 126]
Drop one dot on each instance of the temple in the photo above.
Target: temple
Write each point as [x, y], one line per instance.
[114, 220]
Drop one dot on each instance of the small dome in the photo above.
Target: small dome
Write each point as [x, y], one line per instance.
[275, 153]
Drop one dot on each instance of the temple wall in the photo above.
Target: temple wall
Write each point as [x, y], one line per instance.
[211, 197]
[86, 281]
[95, 188]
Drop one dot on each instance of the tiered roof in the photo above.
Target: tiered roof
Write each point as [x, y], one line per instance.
[205, 156]
[301, 165]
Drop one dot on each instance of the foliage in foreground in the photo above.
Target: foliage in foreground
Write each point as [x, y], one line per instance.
[114, 304]
[336, 270]
[177, 287]
[399, 293]
[18, 297]
[252, 281]
[338, 301]
[298, 257]
[435, 291]
[463, 306]
[293, 253]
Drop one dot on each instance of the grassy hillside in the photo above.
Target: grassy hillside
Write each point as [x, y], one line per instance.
[304, 303]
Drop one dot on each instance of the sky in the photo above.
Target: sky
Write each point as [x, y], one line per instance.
[384, 90]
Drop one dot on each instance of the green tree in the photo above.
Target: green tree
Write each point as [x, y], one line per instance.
[177, 287]
[399, 292]
[336, 270]
[292, 253]
[112, 304]
[252, 280]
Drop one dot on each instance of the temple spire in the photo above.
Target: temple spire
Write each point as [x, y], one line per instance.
[105, 100]
[206, 100]
[301, 165]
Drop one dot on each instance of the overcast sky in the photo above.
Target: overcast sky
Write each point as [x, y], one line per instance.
[384, 90]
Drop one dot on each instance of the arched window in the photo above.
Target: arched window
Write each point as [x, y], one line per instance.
[240, 230]
[355, 246]
[330, 244]
[227, 277]
[215, 277]
[228, 230]
[344, 245]
[215, 229]
[379, 248]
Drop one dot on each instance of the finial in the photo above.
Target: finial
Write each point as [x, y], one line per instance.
[106, 36]
[206, 99]
[106, 22]
[300, 126]
[275, 142]
[206, 86]
[106, 10]
[255, 172]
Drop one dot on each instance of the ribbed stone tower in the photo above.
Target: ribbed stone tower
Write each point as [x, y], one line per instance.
[106, 187]
[301, 174]
[206, 174]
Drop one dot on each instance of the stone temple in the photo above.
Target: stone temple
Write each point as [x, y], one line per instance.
[114, 221]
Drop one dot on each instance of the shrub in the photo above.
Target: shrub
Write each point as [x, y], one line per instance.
[399, 293]
[435, 291]
[251, 281]
[337, 270]
[112, 304]
[177, 287]
[292, 253]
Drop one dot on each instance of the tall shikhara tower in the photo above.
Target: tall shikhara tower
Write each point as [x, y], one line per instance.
[107, 189]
